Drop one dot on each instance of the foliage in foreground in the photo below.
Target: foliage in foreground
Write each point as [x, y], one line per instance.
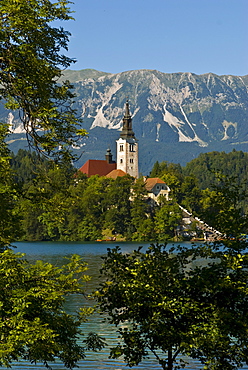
[9, 220]
[30, 65]
[33, 322]
[34, 325]
[175, 301]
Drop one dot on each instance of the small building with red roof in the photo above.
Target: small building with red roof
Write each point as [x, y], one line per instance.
[99, 167]
[156, 187]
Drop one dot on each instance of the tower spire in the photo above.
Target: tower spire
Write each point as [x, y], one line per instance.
[127, 147]
[127, 112]
[127, 131]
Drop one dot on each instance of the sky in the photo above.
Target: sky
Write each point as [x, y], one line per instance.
[197, 36]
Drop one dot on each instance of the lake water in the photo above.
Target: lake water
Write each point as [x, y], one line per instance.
[91, 252]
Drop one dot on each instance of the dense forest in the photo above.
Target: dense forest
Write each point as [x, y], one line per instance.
[206, 167]
[58, 203]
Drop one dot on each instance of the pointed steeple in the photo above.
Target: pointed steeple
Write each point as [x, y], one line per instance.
[127, 147]
[127, 131]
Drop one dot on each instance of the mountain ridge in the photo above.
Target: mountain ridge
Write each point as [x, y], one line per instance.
[95, 72]
[192, 113]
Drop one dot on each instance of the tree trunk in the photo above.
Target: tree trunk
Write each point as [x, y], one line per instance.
[170, 360]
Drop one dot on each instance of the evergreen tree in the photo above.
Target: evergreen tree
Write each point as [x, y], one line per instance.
[155, 172]
[26, 165]
[207, 165]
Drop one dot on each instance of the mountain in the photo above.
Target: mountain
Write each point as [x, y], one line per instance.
[176, 116]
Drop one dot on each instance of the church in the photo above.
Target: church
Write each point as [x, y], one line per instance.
[126, 162]
[127, 155]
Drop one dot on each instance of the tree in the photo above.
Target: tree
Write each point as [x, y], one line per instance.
[118, 213]
[206, 165]
[139, 209]
[30, 66]
[166, 220]
[164, 168]
[34, 323]
[174, 183]
[155, 172]
[145, 232]
[43, 206]
[168, 302]
[190, 194]
[87, 230]
[26, 165]
[222, 207]
[9, 220]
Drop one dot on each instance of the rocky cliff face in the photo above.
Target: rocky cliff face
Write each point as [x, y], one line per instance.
[175, 116]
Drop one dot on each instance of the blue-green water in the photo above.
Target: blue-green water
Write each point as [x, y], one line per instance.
[91, 252]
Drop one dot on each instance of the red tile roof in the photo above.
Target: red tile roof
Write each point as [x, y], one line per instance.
[116, 173]
[97, 167]
[152, 181]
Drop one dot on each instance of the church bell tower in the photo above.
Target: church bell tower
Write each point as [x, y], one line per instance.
[127, 147]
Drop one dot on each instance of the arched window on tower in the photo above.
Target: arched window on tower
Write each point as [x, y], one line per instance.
[131, 148]
[121, 148]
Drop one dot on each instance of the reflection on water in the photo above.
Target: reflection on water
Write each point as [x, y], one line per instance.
[91, 253]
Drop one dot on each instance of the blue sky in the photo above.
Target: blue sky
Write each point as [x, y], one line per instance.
[197, 36]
